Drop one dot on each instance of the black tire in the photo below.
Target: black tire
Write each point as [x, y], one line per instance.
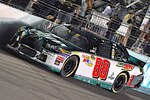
[7, 31]
[69, 66]
[119, 83]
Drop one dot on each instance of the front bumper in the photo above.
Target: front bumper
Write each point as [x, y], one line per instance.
[27, 50]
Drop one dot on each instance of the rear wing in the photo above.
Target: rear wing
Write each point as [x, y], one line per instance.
[135, 61]
[140, 59]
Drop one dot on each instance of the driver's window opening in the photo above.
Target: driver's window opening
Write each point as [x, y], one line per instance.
[104, 49]
[118, 54]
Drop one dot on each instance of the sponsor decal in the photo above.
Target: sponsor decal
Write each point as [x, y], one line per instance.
[76, 53]
[65, 53]
[126, 67]
[120, 64]
[88, 59]
[92, 57]
[59, 60]
[51, 54]
[57, 63]
[111, 76]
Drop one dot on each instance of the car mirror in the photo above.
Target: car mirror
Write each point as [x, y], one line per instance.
[93, 50]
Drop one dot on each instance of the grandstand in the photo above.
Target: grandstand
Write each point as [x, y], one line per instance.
[134, 35]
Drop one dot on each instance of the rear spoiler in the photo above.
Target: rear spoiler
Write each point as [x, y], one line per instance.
[136, 61]
[140, 59]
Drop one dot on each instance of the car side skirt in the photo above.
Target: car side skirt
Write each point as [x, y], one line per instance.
[94, 82]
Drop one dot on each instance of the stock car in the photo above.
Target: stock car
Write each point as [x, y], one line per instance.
[73, 51]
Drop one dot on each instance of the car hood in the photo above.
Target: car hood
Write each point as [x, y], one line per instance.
[58, 41]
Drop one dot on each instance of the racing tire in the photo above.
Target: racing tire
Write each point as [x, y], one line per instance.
[69, 66]
[119, 83]
[7, 31]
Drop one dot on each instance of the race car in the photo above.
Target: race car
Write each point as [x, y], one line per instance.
[74, 51]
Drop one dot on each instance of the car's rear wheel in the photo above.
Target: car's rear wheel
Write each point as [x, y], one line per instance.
[119, 83]
[70, 66]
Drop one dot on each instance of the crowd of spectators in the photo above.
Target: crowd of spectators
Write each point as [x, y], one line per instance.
[78, 12]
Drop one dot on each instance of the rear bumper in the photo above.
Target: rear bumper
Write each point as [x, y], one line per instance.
[135, 81]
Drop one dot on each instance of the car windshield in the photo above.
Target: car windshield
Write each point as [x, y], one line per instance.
[76, 36]
[43, 25]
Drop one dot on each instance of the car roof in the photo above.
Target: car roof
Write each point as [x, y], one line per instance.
[90, 34]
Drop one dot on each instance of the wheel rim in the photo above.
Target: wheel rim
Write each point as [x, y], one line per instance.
[119, 82]
[68, 66]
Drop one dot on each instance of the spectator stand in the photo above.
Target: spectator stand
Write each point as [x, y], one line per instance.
[94, 21]
[98, 23]
[143, 42]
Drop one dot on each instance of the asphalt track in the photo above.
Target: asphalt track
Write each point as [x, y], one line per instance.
[24, 80]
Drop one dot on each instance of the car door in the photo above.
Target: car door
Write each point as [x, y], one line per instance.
[103, 60]
[96, 66]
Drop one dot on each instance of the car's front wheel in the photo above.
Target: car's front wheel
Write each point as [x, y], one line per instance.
[119, 83]
[69, 66]
[7, 31]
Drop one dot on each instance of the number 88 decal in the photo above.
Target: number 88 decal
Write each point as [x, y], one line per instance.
[101, 69]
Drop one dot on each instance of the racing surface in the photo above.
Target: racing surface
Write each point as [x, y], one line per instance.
[21, 79]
